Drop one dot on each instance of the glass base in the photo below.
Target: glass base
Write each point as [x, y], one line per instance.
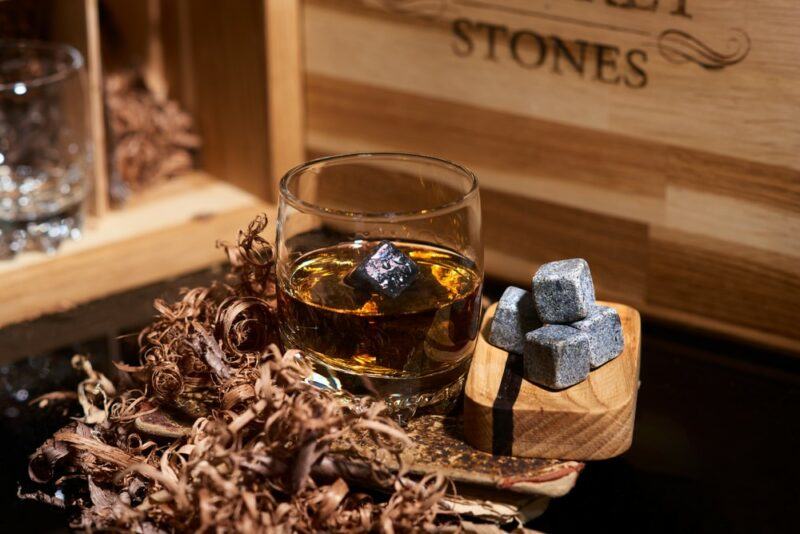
[42, 235]
[436, 393]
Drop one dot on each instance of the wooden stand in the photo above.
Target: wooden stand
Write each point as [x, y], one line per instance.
[593, 420]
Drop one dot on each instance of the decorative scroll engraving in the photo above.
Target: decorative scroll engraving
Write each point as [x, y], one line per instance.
[680, 47]
[426, 8]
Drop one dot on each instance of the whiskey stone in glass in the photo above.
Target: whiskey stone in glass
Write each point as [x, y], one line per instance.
[386, 270]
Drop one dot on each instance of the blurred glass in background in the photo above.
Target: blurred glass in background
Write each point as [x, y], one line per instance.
[45, 147]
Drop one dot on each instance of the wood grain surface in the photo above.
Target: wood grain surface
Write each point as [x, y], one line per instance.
[227, 60]
[221, 63]
[683, 193]
[168, 230]
[94, 69]
[284, 87]
[592, 420]
[438, 446]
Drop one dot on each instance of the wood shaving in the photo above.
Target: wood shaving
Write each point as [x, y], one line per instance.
[230, 436]
[149, 139]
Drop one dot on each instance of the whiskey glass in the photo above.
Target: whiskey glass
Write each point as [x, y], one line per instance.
[44, 145]
[410, 349]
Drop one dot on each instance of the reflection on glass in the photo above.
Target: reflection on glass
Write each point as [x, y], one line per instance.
[380, 268]
[44, 145]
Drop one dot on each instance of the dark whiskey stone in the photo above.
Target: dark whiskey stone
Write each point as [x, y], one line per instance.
[387, 270]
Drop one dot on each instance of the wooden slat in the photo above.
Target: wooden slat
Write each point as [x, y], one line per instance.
[228, 77]
[169, 230]
[735, 220]
[154, 72]
[771, 185]
[94, 67]
[439, 446]
[178, 64]
[527, 156]
[723, 327]
[741, 285]
[520, 234]
[285, 86]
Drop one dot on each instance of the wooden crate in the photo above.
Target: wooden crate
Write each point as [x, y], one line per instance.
[235, 66]
[659, 140]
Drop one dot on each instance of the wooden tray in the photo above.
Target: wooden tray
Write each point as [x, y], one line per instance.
[593, 420]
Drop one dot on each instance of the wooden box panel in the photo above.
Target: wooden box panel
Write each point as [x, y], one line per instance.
[220, 61]
[658, 138]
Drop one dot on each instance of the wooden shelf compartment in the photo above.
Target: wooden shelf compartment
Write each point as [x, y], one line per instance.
[242, 87]
[166, 231]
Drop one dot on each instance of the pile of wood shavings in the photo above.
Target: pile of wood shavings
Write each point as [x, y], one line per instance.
[217, 430]
[150, 138]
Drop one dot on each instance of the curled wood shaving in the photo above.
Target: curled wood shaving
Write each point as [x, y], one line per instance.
[54, 396]
[211, 352]
[96, 386]
[41, 467]
[98, 449]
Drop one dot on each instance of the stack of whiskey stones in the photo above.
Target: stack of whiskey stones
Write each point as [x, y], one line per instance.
[558, 328]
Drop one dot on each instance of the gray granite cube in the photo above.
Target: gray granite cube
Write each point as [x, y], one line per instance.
[556, 356]
[604, 329]
[563, 291]
[515, 316]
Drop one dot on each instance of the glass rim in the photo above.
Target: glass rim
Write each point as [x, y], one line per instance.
[336, 213]
[74, 64]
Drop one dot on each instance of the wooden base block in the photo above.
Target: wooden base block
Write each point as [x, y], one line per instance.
[593, 420]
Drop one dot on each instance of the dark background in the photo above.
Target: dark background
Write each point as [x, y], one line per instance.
[714, 449]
